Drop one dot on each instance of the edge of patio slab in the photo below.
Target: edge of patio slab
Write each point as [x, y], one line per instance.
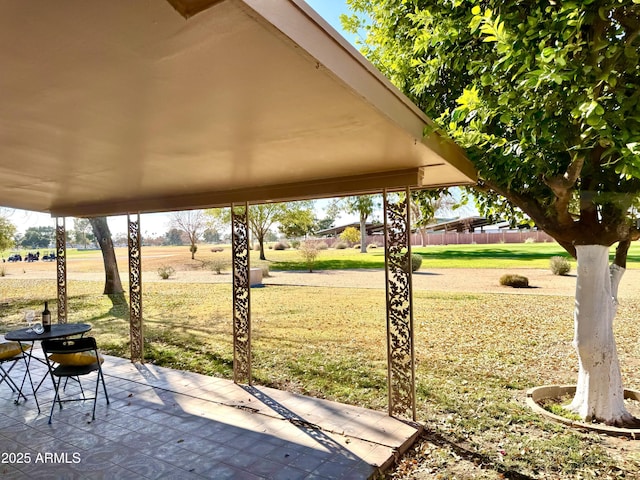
[388, 438]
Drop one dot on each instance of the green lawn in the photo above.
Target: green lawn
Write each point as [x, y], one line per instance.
[504, 255]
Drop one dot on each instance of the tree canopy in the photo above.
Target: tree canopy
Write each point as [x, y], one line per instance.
[544, 97]
[7, 233]
[38, 237]
[295, 219]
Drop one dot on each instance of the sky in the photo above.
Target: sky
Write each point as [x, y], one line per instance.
[156, 224]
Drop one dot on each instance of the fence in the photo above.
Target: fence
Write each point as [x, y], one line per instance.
[456, 238]
[508, 236]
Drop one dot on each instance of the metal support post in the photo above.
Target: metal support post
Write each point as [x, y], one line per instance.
[400, 332]
[61, 269]
[241, 294]
[135, 289]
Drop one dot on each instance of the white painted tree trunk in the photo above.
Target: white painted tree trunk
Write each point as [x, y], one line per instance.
[599, 391]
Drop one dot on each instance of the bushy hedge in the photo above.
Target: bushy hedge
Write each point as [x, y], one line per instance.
[513, 280]
[416, 261]
[166, 271]
[559, 265]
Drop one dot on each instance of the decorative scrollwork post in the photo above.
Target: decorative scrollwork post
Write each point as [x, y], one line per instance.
[241, 295]
[400, 333]
[135, 290]
[61, 269]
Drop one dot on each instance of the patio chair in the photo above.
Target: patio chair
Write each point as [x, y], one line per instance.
[10, 354]
[70, 359]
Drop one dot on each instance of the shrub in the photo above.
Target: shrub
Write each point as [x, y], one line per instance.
[559, 265]
[295, 243]
[322, 246]
[372, 245]
[265, 271]
[340, 245]
[280, 246]
[193, 249]
[513, 280]
[350, 235]
[217, 265]
[529, 240]
[217, 249]
[309, 252]
[166, 271]
[256, 247]
[357, 247]
[416, 263]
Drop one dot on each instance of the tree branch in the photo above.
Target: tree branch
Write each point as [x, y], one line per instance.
[621, 253]
[561, 186]
[589, 187]
[537, 213]
[629, 18]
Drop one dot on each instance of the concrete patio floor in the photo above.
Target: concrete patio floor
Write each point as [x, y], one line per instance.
[165, 423]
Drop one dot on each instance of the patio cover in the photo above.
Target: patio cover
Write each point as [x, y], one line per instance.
[118, 106]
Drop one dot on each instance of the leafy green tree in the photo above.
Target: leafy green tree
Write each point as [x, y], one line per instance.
[173, 237]
[262, 218]
[297, 220]
[211, 235]
[364, 206]
[323, 223]
[545, 98]
[350, 235]
[7, 233]
[38, 237]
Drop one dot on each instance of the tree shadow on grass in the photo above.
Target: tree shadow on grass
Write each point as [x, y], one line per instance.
[119, 306]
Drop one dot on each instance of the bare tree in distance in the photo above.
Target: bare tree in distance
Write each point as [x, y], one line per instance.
[193, 223]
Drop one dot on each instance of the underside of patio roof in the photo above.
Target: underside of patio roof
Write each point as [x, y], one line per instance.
[112, 107]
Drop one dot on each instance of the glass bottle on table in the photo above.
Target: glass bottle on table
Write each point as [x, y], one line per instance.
[46, 318]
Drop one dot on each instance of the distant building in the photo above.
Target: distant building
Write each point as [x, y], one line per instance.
[372, 229]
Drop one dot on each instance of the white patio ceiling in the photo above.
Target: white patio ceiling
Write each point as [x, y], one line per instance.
[121, 106]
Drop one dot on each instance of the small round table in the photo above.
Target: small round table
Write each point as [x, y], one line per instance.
[58, 330]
